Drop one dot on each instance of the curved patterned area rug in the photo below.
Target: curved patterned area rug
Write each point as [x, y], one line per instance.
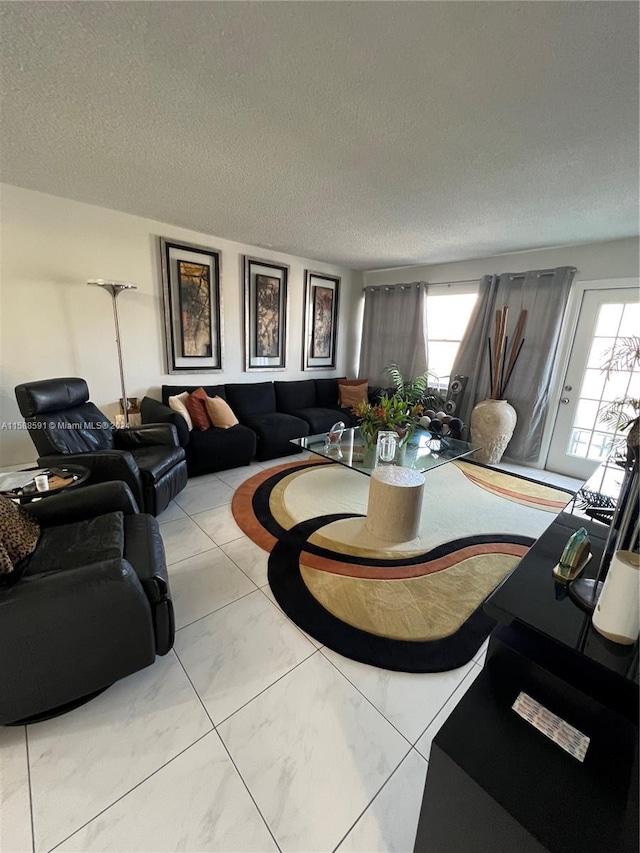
[413, 606]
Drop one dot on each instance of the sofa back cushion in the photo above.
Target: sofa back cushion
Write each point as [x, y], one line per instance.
[327, 393]
[254, 398]
[174, 390]
[291, 396]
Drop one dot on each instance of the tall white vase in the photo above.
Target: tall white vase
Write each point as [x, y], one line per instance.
[492, 425]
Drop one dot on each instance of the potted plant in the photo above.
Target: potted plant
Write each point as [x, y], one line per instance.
[416, 390]
[389, 413]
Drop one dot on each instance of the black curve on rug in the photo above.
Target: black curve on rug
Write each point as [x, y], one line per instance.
[297, 602]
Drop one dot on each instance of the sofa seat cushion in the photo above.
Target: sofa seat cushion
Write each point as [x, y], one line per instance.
[155, 462]
[291, 396]
[273, 433]
[219, 449]
[83, 543]
[321, 420]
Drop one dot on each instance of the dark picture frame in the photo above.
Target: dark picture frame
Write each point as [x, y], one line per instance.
[192, 307]
[322, 293]
[265, 314]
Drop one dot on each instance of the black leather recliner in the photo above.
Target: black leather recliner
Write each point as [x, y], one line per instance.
[66, 429]
[88, 607]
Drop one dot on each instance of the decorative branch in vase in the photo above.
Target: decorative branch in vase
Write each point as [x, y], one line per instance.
[493, 420]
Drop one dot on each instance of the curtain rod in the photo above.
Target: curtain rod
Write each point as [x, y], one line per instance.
[540, 274]
[406, 286]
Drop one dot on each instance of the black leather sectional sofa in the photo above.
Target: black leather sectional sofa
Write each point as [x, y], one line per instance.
[270, 414]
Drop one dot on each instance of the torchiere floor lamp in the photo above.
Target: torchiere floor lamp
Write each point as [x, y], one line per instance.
[114, 288]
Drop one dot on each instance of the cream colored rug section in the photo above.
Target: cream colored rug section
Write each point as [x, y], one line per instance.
[416, 609]
[453, 507]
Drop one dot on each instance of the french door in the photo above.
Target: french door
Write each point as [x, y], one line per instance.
[580, 440]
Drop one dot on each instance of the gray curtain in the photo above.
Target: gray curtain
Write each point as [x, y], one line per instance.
[544, 294]
[394, 328]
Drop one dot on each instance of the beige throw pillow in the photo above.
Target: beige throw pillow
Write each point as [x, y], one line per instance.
[352, 392]
[220, 412]
[177, 404]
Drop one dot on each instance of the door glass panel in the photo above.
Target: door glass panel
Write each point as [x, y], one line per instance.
[630, 320]
[609, 320]
[592, 385]
[600, 349]
[586, 414]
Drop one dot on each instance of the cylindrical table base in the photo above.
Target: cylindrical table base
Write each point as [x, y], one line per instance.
[395, 503]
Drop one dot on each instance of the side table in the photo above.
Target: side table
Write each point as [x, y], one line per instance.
[60, 479]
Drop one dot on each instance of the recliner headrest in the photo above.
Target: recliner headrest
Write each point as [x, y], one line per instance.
[51, 395]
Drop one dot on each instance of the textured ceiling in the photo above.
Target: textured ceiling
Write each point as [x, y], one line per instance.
[364, 134]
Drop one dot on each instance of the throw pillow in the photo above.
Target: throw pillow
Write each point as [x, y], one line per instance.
[220, 412]
[352, 392]
[178, 404]
[196, 406]
[19, 535]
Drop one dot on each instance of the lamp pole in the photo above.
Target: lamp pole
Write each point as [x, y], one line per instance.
[115, 288]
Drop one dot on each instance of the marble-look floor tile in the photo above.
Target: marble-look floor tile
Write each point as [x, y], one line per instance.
[409, 700]
[81, 762]
[184, 538]
[204, 583]
[284, 460]
[171, 513]
[250, 558]
[269, 593]
[219, 524]
[563, 482]
[424, 743]
[390, 823]
[195, 802]
[314, 753]
[15, 808]
[235, 477]
[200, 496]
[238, 651]
[481, 654]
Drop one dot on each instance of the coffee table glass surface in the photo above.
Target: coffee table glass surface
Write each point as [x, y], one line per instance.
[421, 452]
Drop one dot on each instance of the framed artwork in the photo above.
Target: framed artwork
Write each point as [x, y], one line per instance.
[192, 307]
[265, 314]
[320, 321]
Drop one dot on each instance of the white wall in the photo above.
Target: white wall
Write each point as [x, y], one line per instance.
[53, 324]
[594, 261]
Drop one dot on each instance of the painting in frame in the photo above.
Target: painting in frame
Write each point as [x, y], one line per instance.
[192, 307]
[321, 321]
[265, 284]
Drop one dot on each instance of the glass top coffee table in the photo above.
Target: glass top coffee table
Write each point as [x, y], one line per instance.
[421, 452]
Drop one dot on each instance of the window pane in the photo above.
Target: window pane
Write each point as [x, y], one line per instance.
[608, 320]
[600, 445]
[579, 443]
[441, 356]
[586, 414]
[600, 349]
[447, 316]
[630, 320]
[615, 386]
[592, 385]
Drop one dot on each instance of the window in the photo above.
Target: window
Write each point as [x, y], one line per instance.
[449, 308]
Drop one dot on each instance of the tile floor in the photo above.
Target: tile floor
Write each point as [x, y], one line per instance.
[248, 736]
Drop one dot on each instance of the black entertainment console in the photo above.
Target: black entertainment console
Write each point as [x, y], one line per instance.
[495, 783]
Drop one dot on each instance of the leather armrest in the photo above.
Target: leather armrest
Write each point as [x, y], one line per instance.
[83, 503]
[154, 412]
[105, 466]
[145, 436]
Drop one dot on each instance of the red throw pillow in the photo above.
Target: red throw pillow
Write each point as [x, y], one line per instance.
[196, 406]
